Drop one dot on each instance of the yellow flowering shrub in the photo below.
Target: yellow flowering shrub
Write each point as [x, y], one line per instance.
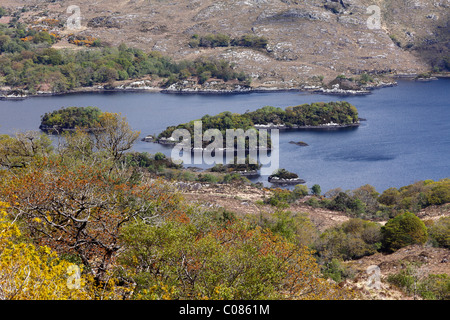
[31, 273]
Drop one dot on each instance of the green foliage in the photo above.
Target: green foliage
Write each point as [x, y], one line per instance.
[252, 41]
[223, 40]
[439, 231]
[71, 118]
[314, 114]
[337, 271]
[435, 287]
[403, 230]
[23, 149]
[222, 122]
[159, 156]
[281, 198]
[365, 78]
[300, 191]
[234, 177]
[199, 260]
[207, 177]
[446, 61]
[353, 239]
[154, 164]
[315, 189]
[28, 62]
[214, 40]
[343, 202]
[294, 226]
[284, 174]
[87, 208]
[234, 166]
[366, 202]
[431, 287]
[3, 12]
[304, 115]
[313, 202]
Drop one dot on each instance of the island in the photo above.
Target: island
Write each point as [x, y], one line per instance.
[318, 115]
[299, 143]
[70, 118]
[282, 176]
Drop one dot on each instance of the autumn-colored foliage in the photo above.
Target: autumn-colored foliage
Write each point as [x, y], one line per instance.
[27, 272]
[79, 205]
[79, 210]
[232, 261]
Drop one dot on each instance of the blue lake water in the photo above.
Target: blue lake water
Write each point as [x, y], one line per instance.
[406, 137]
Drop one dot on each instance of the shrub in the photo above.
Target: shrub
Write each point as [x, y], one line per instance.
[403, 230]
[343, 202]
[234, 177]
[207, 177]
[353, 239]
[294, 226]
[431, 287]
[313, 202]
[435, 287]
[300, 191]
[337, 271]
[282, 197]
[159, 156]
[316, 190]
[439, 231]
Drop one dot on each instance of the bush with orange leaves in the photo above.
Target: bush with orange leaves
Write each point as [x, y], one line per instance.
[79, 210]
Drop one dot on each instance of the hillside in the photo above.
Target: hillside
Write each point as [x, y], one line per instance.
[308, 41]
[243, 200]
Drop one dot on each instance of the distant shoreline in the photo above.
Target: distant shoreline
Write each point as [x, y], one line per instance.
[9, 95]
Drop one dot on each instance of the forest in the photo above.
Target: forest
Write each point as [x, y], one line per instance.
[90, 214]
[28, 62]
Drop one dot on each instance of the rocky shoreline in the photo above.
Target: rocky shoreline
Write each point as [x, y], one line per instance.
[296, 127]
[281, 181]
[212, 87]
[187, 87]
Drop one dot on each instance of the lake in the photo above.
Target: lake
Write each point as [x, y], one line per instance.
[406, 137]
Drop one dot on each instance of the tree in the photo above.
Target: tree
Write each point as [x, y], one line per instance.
[403, 230]
[390, 197]
[369, 197]
[28, 272]
[316, 190]
[114, 135]
[79, 209]
[24, 148]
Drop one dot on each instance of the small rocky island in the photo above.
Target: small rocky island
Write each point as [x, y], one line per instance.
[282, 176]
[299, 143]
[71, 118]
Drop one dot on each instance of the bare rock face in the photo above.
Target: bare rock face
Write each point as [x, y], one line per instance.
[307, 39]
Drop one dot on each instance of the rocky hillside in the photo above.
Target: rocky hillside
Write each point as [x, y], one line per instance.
[309, 41]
